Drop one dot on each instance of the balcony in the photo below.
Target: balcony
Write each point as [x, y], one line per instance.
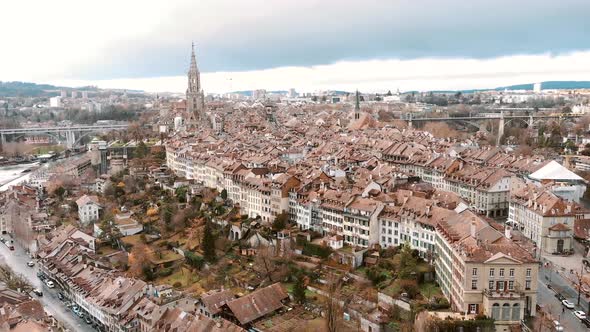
[503, 295]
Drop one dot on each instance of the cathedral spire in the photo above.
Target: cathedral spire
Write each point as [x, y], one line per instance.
[193, 67]
[357, 106]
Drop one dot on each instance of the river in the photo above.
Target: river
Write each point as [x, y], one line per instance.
[13, 174]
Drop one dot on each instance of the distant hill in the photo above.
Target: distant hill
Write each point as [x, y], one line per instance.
[550, 85]
[26, 89]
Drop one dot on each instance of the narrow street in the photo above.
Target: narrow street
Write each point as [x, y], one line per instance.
[17, 261]
[546, 298]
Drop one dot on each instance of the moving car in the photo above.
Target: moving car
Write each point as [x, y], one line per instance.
[38, 292]
[31, 264]
[580, 314]
[567, 304]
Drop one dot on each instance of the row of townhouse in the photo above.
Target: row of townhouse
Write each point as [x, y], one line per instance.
[112, 301]
[482, 271]
[257, 191]
[486, 189]
[480, 176]
[545, 218]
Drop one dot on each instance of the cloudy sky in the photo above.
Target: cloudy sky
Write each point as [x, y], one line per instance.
[305, 44]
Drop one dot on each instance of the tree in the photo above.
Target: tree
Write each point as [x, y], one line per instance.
[299, 289]
[141, 151]
[280, 222]
[109, 233]
[138, 259]
[181, 194]
[332, 306]
[265, 260]
[59, 192]
[223, 194]
[407, 262]
[440, 130]
[208, 243]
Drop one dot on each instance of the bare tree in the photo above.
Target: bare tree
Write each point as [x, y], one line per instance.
[333, 306]
[265, 260]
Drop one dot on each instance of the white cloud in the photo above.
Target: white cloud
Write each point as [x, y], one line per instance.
[379, 75]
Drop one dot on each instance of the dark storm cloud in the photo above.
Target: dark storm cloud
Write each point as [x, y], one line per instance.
[249, 35]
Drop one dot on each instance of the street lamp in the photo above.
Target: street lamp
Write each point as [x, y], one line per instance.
[580, 282]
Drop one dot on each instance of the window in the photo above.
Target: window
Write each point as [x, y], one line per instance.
[496, 311]
[528, 272]
[527, 285]
[473, 308]
[506, 311]
[511, 285]
[511, 273]
[491, 272]
[474, 284]
[474, 271]
[516, 312]
[491, 285]
[501, 272]
[500, 285]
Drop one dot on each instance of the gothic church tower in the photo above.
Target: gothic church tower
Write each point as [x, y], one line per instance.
[195, 97]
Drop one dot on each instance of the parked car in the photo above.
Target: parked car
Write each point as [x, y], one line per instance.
[50, 284]
[87, 320]
[557, 326]
[567, 304]
[31, 264]
[60, 296]
[559, 297]
[75, 309]
[38, 292]
[580, 314]
[586, 322]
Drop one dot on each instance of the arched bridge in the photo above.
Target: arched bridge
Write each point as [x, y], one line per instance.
[503, 119]
[72, 133]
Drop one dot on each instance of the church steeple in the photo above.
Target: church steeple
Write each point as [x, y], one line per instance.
[357, 106]
[193, 72]
[195, 97]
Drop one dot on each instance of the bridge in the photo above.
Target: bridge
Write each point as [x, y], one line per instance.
[69, 132]
[529, 120]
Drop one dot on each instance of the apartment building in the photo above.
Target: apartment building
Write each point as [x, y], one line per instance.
[544, 217]
[88, 209]
[481, 271]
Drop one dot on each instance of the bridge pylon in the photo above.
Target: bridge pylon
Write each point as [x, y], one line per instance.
[501, 128]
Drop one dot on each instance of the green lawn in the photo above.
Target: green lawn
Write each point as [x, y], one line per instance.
[430, 290]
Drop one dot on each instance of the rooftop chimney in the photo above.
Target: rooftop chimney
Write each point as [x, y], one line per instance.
[472, 228]
[508, 232]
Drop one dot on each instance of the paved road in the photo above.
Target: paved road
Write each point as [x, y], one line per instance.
[17, 261]
[546, 297]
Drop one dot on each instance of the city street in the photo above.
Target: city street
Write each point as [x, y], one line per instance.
[546, 298]
[17, 261]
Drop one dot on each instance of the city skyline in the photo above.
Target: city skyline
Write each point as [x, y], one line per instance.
[373, 47]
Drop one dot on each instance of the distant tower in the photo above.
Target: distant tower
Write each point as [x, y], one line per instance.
[195, 97]
[357, 106]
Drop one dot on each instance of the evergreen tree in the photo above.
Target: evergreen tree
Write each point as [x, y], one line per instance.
[224, 194]
[299, 289]
[208, 243]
